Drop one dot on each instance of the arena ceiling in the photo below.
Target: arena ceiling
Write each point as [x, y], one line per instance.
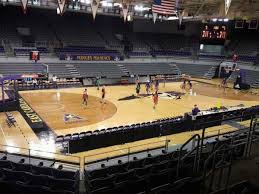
[191, 9]
[246, 9]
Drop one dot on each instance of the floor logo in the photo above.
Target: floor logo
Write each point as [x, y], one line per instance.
[71, 118]
[171, 95]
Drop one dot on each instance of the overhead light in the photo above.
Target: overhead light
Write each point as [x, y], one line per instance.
[220, 20]
[58, 11]
[106, 4]
[226, 20]
[117, 5]
[129, 18]
[87, 2]
[141, 8]
[138, 7]
[172, 18]
[214, 19]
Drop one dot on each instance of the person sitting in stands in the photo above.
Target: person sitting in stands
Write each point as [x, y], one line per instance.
[195, 110]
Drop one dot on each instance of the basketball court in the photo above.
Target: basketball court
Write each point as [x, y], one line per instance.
[63, 112]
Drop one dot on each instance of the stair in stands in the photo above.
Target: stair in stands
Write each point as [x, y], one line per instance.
[256, 84]
[8, 49]
[73, 71]
[175, 69]
[123, 69]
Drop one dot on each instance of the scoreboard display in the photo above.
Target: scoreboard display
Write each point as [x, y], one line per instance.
[214, 34]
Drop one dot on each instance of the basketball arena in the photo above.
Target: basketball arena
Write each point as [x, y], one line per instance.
[134, 97]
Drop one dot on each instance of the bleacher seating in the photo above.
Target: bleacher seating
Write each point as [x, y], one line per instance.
[168, 172]
[239, 188]
[138, 44]
[109, 70]
[2, 51]
[152, 174]
[80, 32]
[25, 51]
[171, 53]
[102, 34]
[19, 177]
[149, 68]
[123, 134]
[195, 70]
[60, 70]
[20, 68]
[138, 54]
[80, 50]
[247, 46]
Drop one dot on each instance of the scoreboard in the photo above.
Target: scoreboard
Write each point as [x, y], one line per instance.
[213, 34]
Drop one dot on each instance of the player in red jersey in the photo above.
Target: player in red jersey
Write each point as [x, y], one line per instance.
[85, 97]
[155, 99]
[103, 94]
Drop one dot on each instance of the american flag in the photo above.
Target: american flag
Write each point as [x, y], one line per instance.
[165, 7]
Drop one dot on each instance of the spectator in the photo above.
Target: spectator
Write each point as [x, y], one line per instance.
[35, 83]
[195, 110]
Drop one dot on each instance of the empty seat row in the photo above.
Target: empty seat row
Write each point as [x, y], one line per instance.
[119, 135]
[38, 180]
[84, 141]
[153, 184]
[12, 187]
[39, 170]
[151, 163]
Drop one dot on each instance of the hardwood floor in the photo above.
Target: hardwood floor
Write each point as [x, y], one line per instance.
[121, 108]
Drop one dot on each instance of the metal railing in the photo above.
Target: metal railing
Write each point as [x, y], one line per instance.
[39, 154]
[127, 152]
[196, 140]
[220, 160]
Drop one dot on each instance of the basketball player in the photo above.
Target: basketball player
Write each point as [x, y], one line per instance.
[151, 85]
[98, 82]
[156, 85]
[155, 99]
[85, 97]
[147, 87]
[224, 84]
[183, 84]
[103, 94]
[137, 89]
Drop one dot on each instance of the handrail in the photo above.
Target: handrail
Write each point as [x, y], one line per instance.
[31, 155]
[196, 154]
[235, 143]
[128, 151]
[213, 155]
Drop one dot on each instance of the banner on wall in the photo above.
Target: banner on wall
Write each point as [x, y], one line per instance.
[94, 6]
[90, 57]
[125, 9]
[24, 5]
[227, 5]
[61, 6]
